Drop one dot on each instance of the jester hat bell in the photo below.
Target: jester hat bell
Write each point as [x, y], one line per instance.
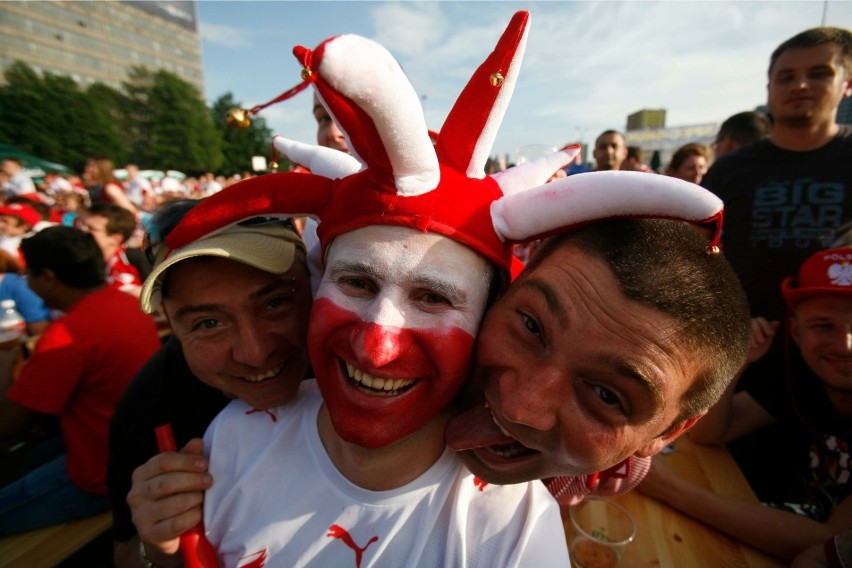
[397, 176]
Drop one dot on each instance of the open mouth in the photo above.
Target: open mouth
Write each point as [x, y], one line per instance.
[513, 450]
[263, 376]
[377, 386]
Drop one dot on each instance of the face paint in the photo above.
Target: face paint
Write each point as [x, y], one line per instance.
[392, 330]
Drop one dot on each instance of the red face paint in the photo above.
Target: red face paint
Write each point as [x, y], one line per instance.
[434, 362]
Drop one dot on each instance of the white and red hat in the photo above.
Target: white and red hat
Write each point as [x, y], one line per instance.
[397, 176]
[825, 273]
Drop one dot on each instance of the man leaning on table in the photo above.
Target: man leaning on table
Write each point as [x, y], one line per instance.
[809, 407]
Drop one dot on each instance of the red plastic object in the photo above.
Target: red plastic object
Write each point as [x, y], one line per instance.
[196, 550]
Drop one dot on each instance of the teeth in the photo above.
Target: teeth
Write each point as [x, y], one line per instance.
[385, 386]
[267, 375]
[508, 451]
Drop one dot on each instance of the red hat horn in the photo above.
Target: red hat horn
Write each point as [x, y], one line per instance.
[398, 178]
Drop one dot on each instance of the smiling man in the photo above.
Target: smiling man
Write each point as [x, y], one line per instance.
[614, 340]
[808, 409]
[238, 305]
[787, 195]
[416, 240]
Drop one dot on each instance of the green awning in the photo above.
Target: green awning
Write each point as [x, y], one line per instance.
[36, 166]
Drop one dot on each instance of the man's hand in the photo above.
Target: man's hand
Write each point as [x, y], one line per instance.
[166, 498]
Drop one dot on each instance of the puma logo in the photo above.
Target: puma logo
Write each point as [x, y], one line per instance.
[258, 562]
[479, 483]
[336, 531]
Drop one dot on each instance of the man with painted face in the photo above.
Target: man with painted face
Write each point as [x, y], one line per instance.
[391, 338]
[410, 243]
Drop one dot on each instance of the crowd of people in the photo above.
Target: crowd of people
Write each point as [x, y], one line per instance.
[447, 381]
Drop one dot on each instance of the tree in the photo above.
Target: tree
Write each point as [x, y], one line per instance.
[238, 146]
[50, 116]
[169, 125]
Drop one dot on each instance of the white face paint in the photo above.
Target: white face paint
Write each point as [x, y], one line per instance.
[393, 328]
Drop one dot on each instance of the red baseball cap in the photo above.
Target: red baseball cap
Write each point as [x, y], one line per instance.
[827, 272]
[24, 212]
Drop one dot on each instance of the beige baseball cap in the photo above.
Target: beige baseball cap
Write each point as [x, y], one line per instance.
[269, 245]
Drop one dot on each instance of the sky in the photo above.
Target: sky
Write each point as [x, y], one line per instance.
[587, 64]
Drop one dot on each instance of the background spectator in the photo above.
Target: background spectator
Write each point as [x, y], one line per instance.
[689, 162]
[78, 370]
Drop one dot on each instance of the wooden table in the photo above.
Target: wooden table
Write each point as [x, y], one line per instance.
[667, 538]
[47, 547]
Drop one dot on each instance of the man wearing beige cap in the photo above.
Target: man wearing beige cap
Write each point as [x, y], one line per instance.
[238, 305]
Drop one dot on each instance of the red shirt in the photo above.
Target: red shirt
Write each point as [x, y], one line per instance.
[79, 369]
[120, 273]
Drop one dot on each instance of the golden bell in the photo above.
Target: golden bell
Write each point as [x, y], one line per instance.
[273, 166]
[238, 118]
[496, 79]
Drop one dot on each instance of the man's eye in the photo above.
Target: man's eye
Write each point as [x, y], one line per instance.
[531, 325]
[433, 299]
[356, 285]
[608, 397]
[209, 323]
[279, 301]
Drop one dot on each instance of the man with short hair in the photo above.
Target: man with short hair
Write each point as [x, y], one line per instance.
[740, 130]
[807, 408]
[19, 182]
[615, 339]
[786, 194]
[77, 371]
[633, 160]
[610, 150]
[112, 226]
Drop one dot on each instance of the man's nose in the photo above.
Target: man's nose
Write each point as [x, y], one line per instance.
[253, 345]
[377, 345]
[535, 402]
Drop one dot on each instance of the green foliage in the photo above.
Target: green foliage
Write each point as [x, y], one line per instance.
[238, 146]
[169, 125]
[158, 121]
[50, 116]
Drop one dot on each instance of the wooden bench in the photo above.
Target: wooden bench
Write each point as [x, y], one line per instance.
[47, 547]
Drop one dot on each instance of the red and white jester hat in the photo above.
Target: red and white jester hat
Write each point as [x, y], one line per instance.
[396, 176]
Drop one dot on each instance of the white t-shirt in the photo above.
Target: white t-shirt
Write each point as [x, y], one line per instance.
[277, 497]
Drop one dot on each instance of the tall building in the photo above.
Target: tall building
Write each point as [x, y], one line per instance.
[647, 118]
[102, 41]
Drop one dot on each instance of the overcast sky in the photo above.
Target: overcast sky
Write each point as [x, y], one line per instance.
[587, 65]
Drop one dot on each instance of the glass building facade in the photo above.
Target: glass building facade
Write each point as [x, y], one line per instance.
[101, 41]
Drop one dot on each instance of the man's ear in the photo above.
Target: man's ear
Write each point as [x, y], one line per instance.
[794, 328]
[656, 445]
